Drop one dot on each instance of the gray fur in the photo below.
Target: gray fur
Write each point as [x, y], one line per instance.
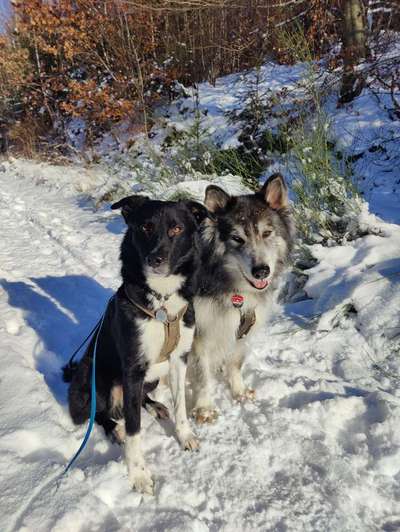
[247, 243]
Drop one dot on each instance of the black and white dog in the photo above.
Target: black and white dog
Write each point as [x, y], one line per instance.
[246, 245]
[160, 261]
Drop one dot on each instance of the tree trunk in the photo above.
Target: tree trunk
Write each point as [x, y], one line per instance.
[354, 38]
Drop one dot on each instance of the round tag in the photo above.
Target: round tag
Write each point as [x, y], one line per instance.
[161, 315]
[237, 300]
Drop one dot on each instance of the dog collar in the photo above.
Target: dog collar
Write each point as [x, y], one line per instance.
[158, 296]
[172, 331]
[247, 319]
[161, 313]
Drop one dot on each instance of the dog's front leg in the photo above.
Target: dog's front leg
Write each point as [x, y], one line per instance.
[202, 380]
[177, 378]
[234, 372]
[138, 474]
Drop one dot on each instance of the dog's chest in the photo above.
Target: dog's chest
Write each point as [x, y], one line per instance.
[218, 324]
[153, 333]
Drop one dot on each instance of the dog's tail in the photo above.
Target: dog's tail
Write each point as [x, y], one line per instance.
[68, 371]
[78, 375]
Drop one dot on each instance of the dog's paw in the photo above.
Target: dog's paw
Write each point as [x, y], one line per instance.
[192, 444]
[158, 410]
[189, 442]
[140, 480]
[247, 395]
[204, 415]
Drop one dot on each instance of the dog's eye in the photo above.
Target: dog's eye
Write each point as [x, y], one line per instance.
[238, 239]
[266, 234]
[174, 231]
[147, 228]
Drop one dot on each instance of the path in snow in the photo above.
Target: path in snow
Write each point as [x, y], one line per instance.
[318, 450]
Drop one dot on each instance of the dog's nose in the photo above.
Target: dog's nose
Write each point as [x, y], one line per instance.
[260, 272]
[155, 260]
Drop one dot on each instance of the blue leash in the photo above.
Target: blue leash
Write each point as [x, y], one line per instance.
[96, 330]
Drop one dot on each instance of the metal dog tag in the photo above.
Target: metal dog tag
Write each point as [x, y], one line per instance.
[161, 315]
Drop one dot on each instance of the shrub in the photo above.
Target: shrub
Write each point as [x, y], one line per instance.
[16, 73]
[326, 201]
[106, 60]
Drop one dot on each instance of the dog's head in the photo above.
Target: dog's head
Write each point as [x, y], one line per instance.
[253, 232]
[161, 236]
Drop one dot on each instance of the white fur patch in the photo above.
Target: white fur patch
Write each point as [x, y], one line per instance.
[153, 332]
[157, 371]
[164, 285]
[217, 321]
[138, 474]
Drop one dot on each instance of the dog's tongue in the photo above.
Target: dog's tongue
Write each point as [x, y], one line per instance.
[262, 283]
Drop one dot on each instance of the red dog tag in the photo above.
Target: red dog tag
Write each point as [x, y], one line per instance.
[237, 300]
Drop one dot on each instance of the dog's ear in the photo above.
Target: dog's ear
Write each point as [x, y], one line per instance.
[198, 210]
[129, 204]
[275, 192]
[216, 199]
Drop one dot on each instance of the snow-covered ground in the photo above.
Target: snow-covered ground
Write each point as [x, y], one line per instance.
[320, 447]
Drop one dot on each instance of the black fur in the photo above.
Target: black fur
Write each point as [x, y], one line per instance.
[119, 358]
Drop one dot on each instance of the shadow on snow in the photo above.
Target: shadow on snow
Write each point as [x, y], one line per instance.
[62, 311]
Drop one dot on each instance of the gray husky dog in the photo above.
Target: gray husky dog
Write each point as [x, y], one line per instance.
[246, 246]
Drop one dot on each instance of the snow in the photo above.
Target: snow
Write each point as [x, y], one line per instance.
[365, 127]
[320, 447]
[216, 102]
